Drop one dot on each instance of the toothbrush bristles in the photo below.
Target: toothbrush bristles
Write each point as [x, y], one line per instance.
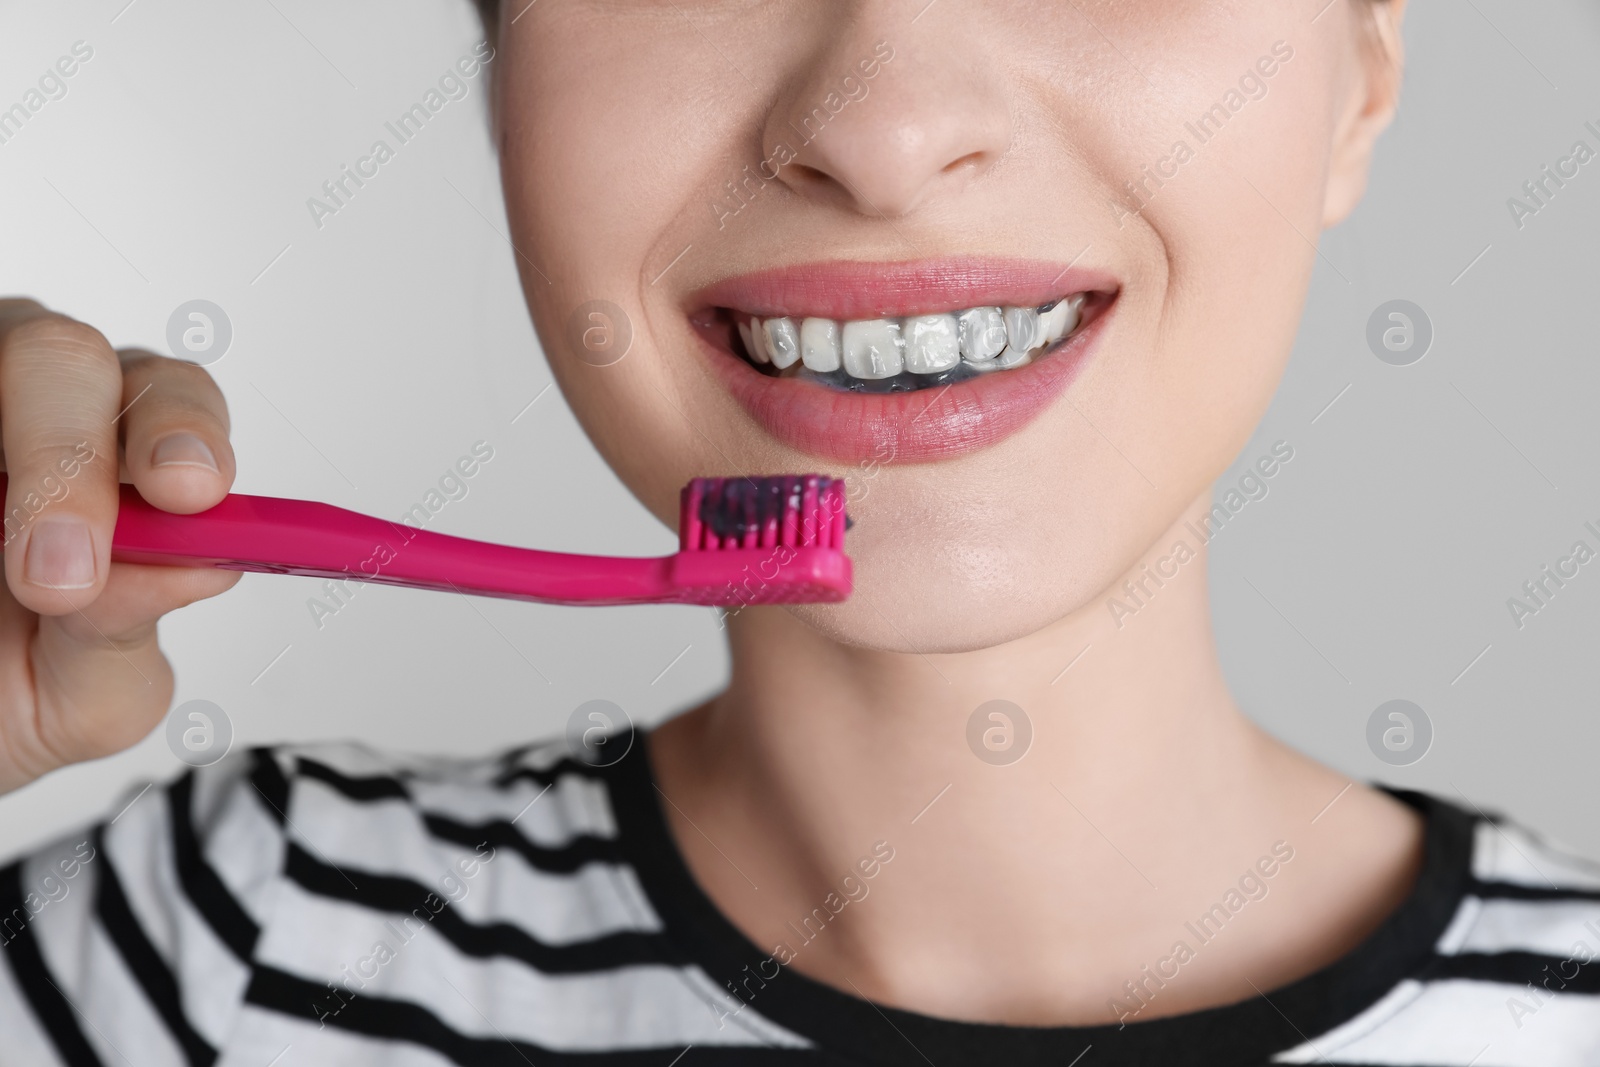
[795, 510]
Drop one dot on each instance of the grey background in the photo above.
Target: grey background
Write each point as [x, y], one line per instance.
[370, 354]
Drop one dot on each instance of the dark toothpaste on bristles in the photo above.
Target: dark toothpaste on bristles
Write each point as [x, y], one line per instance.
[755, 512]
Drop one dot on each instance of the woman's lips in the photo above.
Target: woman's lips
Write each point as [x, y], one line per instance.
[927, 424]
[879, 290]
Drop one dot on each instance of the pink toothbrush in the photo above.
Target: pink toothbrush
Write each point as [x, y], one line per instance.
[776, 540]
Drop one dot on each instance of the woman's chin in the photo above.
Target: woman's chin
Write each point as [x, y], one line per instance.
[935, 630]
[901, 607]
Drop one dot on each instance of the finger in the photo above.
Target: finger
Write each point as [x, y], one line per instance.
[60, 388]
[138, 595]
[100, 680]
[175, 433]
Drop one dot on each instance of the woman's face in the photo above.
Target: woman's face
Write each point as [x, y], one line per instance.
[888, 169]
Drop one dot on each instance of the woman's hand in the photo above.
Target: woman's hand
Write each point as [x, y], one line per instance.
[81, 673]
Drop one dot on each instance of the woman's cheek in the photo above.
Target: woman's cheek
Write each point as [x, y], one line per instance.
[628, 145]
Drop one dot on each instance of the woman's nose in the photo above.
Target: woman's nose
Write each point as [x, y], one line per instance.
[881, 128]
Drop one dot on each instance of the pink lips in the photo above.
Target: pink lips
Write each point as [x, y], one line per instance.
[928, 424]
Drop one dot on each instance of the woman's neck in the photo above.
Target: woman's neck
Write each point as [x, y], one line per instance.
[1031, 877]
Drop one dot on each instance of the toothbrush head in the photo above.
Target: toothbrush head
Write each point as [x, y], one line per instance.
[763, 540]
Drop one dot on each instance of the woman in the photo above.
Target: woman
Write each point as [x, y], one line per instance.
[1026, 274]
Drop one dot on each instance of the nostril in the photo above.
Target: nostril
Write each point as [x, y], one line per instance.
[807, 175]
[917, 138]
[970, 161]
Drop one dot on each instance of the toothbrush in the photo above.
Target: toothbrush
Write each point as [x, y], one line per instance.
[742, 541]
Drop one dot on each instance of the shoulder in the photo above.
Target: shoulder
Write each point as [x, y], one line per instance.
[246, 819]
[1513, 974]
[316, 780]
[1530, 920]
[349, 808]
[1507, 854]
[237, 898]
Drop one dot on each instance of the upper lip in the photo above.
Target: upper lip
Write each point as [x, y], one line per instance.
[866, 290]
[923, 425]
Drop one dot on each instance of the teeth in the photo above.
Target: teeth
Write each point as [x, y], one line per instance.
[757, 354]
[983, 333]
[872, 349]
[755, 340]
[1060, 320]
[933, 344]
[1011, 358]
[894, 355]
[1052, 321]
[819, 345]
[1022, 328]
[783, 342]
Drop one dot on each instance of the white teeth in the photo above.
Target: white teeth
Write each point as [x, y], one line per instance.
[783, 342]
[983, 333]
[1022, 328]
[933, 344]
[758, 342]
[872, 349]
[819, 345]
[980, 338]
[757, 352]
[1075, 303]
[1060, 320]
[1052, 321]
[1011, 358]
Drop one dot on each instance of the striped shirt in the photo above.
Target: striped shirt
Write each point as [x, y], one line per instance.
[332, 905]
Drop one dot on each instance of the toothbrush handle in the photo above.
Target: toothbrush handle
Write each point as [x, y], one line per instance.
[303, 537]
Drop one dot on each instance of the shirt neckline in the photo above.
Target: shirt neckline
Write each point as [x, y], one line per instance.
[853, 1029]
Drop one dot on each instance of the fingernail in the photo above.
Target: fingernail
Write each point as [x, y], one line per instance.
[182, 450]
[60, 554]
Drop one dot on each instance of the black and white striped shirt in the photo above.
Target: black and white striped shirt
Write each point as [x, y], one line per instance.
[330, 905]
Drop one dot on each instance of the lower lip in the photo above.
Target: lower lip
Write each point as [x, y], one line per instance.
[927, 424]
